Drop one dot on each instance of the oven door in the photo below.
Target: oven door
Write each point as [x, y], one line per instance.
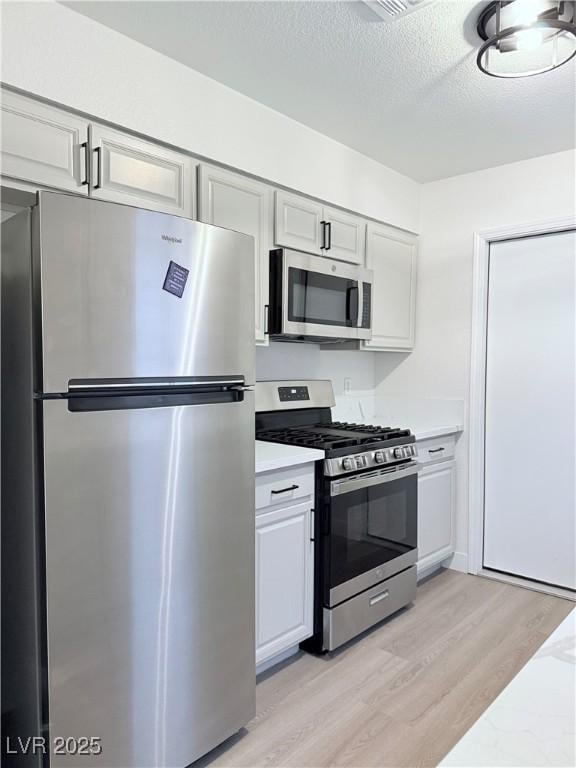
[371, 530]
[324, 298]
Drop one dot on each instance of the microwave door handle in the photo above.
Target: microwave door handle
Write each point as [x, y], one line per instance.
[352, 305]
[360, 312]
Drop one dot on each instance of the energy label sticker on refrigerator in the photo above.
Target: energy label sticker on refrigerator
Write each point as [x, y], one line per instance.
[175, 280]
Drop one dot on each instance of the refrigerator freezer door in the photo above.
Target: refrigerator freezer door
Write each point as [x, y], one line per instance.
[149, 579]
[128, 293]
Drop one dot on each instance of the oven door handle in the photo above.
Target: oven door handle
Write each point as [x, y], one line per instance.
[367, 479]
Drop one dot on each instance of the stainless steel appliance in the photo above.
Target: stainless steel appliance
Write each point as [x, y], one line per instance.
[128, 483]
[366, 508]
[313, 298]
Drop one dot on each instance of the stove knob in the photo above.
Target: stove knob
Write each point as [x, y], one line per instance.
[398, 453]
[379, 457]
[407, 452]
[348, 464]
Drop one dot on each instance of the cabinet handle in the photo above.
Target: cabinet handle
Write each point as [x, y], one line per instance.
[435, 450]
[266, 319]
[84, 146]
[285, 490]
[329, 229]
[312, 516]
[323, 234]
[98, 151]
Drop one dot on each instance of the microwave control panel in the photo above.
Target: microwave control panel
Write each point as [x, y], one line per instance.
[367, 306]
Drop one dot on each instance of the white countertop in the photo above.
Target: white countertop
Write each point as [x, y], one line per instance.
[271, 456]
[419, 430]
[533, 721]
[423, 433]
[425, 417]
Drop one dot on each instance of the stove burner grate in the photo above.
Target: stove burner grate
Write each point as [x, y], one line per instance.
[332, 436]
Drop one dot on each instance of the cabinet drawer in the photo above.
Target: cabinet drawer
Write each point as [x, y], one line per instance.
[436, 449]
[283, 486]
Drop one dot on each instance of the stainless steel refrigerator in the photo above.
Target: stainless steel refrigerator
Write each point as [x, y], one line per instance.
[128, 483]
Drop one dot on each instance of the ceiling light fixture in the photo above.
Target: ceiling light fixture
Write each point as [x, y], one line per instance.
[526, 37]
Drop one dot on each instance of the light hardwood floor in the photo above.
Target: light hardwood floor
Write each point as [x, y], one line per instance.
[405, 692]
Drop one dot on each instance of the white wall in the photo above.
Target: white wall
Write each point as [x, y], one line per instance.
[453, 209]
[53, 52]
[284, 360]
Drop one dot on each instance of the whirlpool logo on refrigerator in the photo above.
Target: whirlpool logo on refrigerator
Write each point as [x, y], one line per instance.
[170, 239]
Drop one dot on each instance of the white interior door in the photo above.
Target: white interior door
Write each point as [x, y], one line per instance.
[530, 511]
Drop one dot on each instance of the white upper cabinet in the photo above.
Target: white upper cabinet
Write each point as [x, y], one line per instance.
[345, 236]
[42, 145]
[305, 225]
[298, 223]
[140, 173]
[392, 255]
[230, 200]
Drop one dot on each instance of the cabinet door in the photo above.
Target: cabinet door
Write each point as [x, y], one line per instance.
[298, 223]
[229, 200]
[140, 173]
[392, 255]
[43, 145]
[347, 236]
[436, 510]
[284, 579]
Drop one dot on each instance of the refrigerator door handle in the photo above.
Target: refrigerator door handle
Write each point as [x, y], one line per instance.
[125, 401]
[76, 386]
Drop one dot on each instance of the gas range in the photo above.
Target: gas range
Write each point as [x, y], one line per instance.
[366, 508]
[348, 447]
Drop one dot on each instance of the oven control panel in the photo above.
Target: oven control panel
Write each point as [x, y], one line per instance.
[287, 394]
[370, 459]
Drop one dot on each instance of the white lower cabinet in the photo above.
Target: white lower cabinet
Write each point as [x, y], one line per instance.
[436, 513]
[284, 576]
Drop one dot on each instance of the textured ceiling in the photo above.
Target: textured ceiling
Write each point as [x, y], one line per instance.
[407, 93]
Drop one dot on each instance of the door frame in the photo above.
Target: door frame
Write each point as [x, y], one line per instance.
[477, 394]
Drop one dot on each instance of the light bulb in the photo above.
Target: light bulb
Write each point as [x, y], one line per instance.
[528, 39]
[526, 11]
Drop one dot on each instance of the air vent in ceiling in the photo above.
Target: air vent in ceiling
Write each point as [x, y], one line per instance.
[389, 10]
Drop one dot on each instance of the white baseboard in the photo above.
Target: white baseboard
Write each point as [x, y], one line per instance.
[535, 586]
[279, 657]
[458, 562]
[423, 573]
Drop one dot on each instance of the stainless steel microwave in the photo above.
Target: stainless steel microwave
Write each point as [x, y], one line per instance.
[313, 298]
